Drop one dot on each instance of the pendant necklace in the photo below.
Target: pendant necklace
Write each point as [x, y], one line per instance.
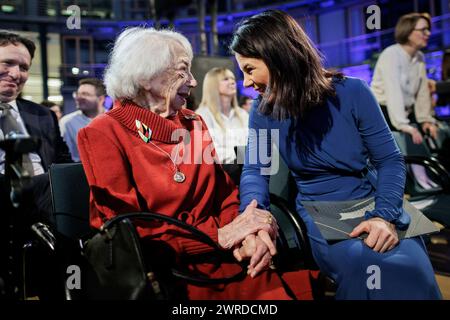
[146, 133]
[178, 175]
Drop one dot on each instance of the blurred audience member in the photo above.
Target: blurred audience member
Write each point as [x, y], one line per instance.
[19, 116]
[89, 98]
[227, 123]
[56, 108]
[400, 81]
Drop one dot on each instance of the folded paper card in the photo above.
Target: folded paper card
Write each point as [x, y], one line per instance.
[336, 219]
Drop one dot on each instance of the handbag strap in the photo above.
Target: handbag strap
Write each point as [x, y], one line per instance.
[152, 216]
[203, 237]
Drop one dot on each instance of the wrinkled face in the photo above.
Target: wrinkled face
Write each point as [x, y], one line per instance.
[256, 73]
[227, 84]
[15, 62]
[86, 98]
[420, 35]
[171, 88]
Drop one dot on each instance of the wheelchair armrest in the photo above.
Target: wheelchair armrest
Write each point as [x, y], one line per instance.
[296, 226]
[435, 167]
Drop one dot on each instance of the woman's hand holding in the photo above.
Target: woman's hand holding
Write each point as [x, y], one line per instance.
[382, 234]
[255, 249]
[251, 221]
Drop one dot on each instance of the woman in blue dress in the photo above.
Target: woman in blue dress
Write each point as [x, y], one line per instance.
[329, 128]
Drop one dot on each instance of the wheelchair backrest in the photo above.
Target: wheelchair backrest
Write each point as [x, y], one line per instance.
[70, 199]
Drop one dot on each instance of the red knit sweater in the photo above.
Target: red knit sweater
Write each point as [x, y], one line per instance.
[128, 174]
[121, 168]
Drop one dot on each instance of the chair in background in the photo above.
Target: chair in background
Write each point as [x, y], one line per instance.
[70, 199]
[433, 201]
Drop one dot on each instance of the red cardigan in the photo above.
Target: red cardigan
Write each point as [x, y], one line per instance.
[128, 174]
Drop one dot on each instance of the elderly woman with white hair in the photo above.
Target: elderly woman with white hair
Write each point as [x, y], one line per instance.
[150, 154]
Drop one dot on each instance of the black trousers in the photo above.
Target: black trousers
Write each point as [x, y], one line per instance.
[15, 226]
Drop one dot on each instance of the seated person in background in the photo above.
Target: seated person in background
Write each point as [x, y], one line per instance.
[246, 103]
[329, 127]
[226, 121]
[56, 108]
[16, 54]
[400, 81]
[144, 155]
[89, 98]
[29, 118]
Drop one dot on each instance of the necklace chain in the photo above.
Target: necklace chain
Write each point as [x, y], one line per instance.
[178, 176]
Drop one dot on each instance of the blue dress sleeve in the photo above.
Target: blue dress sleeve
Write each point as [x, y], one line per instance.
[255, 179]
[385, 156]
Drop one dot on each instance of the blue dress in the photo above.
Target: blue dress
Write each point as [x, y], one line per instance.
[326, 152]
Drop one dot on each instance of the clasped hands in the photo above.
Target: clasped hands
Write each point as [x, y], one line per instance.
[252, 235]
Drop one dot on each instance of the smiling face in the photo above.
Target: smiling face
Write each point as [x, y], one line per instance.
[256, 73]
[167, 92]
[227, 84]
[420, 35]
[15, 62]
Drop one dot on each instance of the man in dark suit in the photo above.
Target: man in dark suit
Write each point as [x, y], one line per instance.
[16, 54]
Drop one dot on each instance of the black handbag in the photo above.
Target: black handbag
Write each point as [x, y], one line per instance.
[118, 269]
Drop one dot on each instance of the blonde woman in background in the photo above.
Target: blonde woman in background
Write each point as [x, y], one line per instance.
[226, 121]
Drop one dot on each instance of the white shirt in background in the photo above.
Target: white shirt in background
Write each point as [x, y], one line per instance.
[399, 82]
[235, 133]
[69, 125]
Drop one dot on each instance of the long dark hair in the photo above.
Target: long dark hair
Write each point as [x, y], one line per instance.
[298, 80]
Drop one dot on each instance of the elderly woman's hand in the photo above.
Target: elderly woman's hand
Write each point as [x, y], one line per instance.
[255, 248]
[250, 221]
[382, 234]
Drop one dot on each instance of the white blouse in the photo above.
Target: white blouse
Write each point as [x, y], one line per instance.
[399, 82]
[235, 133]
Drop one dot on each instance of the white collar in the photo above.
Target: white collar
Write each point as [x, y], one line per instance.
[230, 115]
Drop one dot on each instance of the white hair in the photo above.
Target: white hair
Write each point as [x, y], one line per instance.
[140, 54]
